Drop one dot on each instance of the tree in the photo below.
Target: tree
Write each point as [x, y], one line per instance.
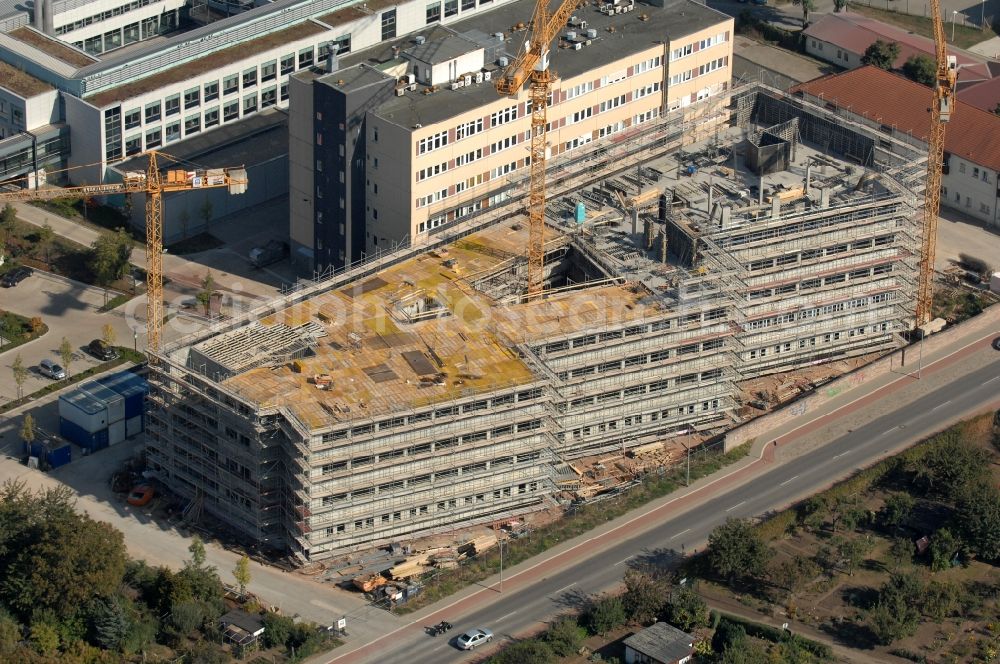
[109, 256]
[242, 574]
[44, 638]
[900, 553]
[896, 511]
[807, 6]
[750, 653]
[8, 220]
[728, 635]
[881, 54]
[941, 599]
[979, 514]
[28, 434]
[277, 629]
[109, 337]
[644, 596]
[20, 374]
[10, 634]
[205, 212]
[951, 465]
[793, 573]
[204, 296]
[895, 614]
[45, 235]
[565, 636]
[839, 5]
[185, 617]
[736, 551]
[920, 68]
[108, 623]
[853, 551]
[66, 354]
[528, 651]
[604, 614]
[943, 548]
[685, 609]
[197, 550]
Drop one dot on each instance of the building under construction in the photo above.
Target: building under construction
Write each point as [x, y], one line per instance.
[748, 234]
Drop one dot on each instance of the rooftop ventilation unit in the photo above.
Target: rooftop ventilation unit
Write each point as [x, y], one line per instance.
[570, 36]
[498, 35]
[577, 46]
[503, 61]
[419, 39]
[591, 34]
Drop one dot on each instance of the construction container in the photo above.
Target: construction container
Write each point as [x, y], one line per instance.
[59, 456]
[114, 401]
[133, 389]
[116, 432]
[84, 410]
[581, 213]
[91, 441]
[133, 426]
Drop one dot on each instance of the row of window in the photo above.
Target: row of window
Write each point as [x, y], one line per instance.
[811, 254]
[633, 331]
[811, 342]
[976, 172]
[708, 67]
[809, 284]
[642, 360]
[129, 34]
[813, 312]
[657, 415]
[694, 47]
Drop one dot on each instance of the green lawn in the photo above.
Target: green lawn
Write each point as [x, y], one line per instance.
[964, 36]
[16, 330]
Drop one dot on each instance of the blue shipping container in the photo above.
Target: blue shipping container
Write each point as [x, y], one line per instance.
[92, 442]
[133, 388]
[60, 457]
[35, 450]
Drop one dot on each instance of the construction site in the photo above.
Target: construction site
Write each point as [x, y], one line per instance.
[722, 259]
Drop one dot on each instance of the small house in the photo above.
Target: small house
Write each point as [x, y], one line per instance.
[242, 630]
[659, 644]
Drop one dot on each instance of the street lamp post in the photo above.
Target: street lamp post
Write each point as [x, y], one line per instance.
[135, 341]
[500, 541]
[954, 13]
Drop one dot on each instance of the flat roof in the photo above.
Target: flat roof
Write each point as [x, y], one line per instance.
[187, 70]
[20, 82]
[351, 78]
[53, 47]
[674, 20]
[348, 14]
[441, 48]
[254, 139]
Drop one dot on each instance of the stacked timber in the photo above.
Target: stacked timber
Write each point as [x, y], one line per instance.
[369, 582]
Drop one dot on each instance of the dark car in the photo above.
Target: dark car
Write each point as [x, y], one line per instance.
[996, 343]
[101, 350]
[16, 276]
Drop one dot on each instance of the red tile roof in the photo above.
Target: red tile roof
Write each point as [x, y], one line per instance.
[895, 100]
[855, 33]
[985, 95]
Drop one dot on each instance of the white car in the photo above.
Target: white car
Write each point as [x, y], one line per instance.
[473, 638]
[51, 370]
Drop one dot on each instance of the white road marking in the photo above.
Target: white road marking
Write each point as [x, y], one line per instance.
[991, 380]
[505, 616]
[679, 534]
[564, 588]
[623, 560]
[884, 433]
[941, 405]
[735, 506]
[789, 480]
[837, 456]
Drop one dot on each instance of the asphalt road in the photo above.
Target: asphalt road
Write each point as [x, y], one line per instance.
[526, 609]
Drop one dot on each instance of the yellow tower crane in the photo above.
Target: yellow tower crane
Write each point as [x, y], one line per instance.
[942, 105]
[533, 63]
[153, 184]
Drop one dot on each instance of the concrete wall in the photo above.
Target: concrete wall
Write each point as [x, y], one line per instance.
[904, 360]
[832, 53]
[300, 174]
[87, 138]
[972, 189]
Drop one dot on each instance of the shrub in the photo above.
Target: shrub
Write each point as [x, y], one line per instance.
[565, 636]
[528, 651]
[277, 629]
[604, 614]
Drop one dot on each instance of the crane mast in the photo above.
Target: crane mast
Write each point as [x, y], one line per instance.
[150, 183]
[533, 64]
[942, 106]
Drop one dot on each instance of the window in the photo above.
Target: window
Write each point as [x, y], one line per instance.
[681, 77]
[269, 71]
[577, 90]
[961, 167]
[504, 116]
[154, 138]
[212, 117]
[153, 112]
[681, 52]
[975, 172]
[306, 57]
[503, 144]
[192, 124]
[614, 77]
[433, 142]
[433, 12]
[133, 145]
[250, 77]
[468, 129]
[173, 131]
[343, 44]
[450, 8]
[614, 102]
[133, 118]
[112, 131]
[288, 63]
[231, 111]
[648, 65]
[468, 5]
[389, 24]
[211, 91]
[431, 171]
[230, 84]
[646, 91]
[581, 115]
[172, 105]
[468, 157]
[718, 63]
[284, 92]
[269, 97]
[192, 98]
[249, 104]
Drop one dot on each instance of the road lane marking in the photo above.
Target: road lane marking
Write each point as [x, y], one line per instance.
[505, 616]
[941, 405]
[564, 588]
[837, 456]
[735, 506]
[623, 560]
[673, 537]
[886, 433]
[991, 380]
[789, 480]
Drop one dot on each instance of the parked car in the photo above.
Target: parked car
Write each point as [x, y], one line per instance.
[473, 638]
[996, 343]
[101, 350]
[16, 276]
[141, 495]
[52, 370]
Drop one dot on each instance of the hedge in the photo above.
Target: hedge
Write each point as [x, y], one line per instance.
[776, 635]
